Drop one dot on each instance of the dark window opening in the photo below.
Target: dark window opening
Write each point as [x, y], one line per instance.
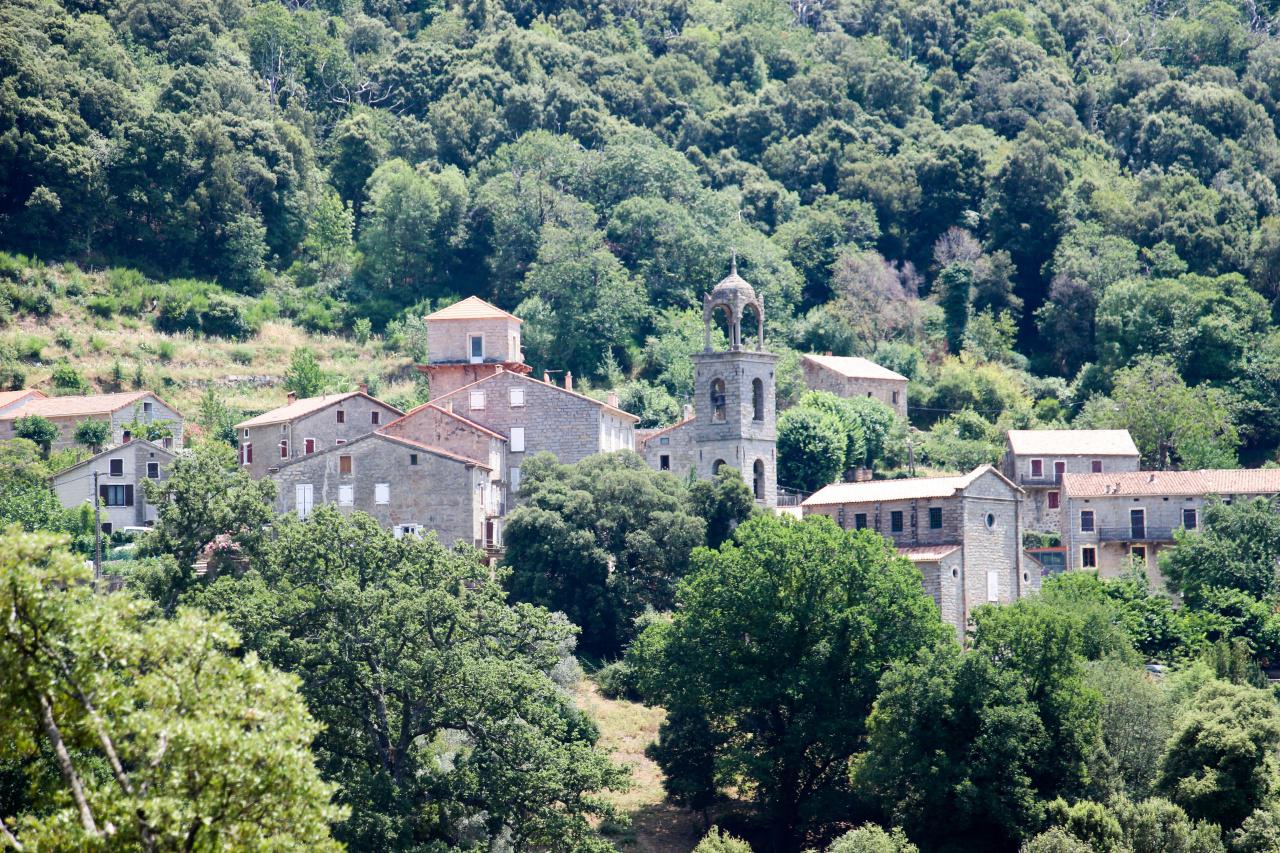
[718, 403]
[935, 518]
[860, 521]
[413, 459]
[342, 416]
[664, 462]
[895, 521]
[1089, 558]
[117, 467]
[757, 400]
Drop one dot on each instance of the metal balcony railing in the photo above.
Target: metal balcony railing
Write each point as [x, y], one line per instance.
[1136, 533]
[1048, 478]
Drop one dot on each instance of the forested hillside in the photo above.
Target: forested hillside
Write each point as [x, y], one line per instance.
[1011, 202]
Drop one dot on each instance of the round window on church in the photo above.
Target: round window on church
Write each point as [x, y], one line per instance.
[955, 573]
[991, 519]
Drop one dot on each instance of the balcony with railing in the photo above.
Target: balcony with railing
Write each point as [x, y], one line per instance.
[1046, 478]
[1136, 533]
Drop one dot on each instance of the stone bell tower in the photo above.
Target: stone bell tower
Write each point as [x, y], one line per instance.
[735, 403]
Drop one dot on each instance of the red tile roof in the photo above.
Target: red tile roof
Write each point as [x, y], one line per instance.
[854, 368]
[1229, 481]
[78, 406]
[305, 406]
[472, 308]
[876, 491]
[1071, 442]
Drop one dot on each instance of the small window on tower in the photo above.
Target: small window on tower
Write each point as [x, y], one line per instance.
[757, 400]
[718, 402]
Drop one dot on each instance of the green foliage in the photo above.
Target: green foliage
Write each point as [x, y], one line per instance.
[716, 841]
[600, 540]
[1237, 547]
[304, 377]
[767, 685]
[93, 434]
[872, 839]
[68, 380]
[722, 502]
[160, 730]
[1220, 765]
[812, 448]
[441, 718]
[37, 429]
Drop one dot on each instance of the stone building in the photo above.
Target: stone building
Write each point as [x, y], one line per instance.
[121, 472]
[1038, 459]
[309, 425]
[846, 376]
[964, 533]
[536, 415]
[124, 412]
[734, 419]
[10, 400]
[469, 341]
[408, 487]
[1115, 520]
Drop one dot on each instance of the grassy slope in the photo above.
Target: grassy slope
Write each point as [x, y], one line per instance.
[247, 374]
[626, 728]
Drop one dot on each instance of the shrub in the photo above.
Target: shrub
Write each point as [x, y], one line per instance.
[29, 347]
[68, 380]
[164, 351]
[13, 376]
[242, 355]
[618, 681]
[104, 306]
[223, 318]
[362, 329]
[63, 339]
[718, 842]
[97, 344]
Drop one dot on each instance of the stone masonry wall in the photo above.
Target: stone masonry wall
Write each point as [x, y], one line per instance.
[75, 487]
[321, 425]
[1037, 514]
[439, 493]
[450, 340]
[818, 378]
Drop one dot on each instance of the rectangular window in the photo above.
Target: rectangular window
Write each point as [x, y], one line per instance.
[413, 459]
[246, 434]
[341, 441]
[106, 528]
[246, 453]
[664, 440]
[993, 586]
[515, 479]
[375, 418]
[1089, 557]
[284, 449]
[302, 494]
[895, 398]
[146, 409]
[477, 401]
[860, 521]
[1037, 467]
[1139, 554]
[935, 518]
[477, 348]
[115, 495]
[167, 443]
[516, 396]
[664, 462]
[517, 439]
[309, 445]
[341, 416]
[1053, 500]
[1095, 466]
[344, 464]
[1086, 521]
[346, 495]
[895, 521]
[382, 493]
[1189, 519]
[153, 470]
[116, 467]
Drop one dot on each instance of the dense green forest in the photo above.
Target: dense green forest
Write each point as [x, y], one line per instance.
[1010, 202]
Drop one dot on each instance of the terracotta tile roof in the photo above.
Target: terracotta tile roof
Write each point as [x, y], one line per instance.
[79, 406]
[913, 488]
[928, 553]
[403, 419]
[472, 308]
[503, 371]
[8, 398]
[1237, 481]
[305, 406]
[1071, 442]
[854, 368]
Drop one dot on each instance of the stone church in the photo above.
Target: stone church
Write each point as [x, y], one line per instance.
[734, 414]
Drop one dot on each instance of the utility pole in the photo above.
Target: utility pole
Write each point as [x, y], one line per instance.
[97, 531]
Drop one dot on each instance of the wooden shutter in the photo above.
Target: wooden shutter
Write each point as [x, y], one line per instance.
[128, 495]
[102, 495]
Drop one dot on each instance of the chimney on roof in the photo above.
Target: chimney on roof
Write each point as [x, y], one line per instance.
[1152, 478]
[828, 352]
[568, 380]
[546, 377]
[291, 397]
[613, 399]
[688, 411]
[363, 387]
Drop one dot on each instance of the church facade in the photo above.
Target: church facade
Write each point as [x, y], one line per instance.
[734, 419]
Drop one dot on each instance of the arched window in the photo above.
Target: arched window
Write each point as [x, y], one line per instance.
[757, 399]
[717, 401]
[757, 477]
[715, 466]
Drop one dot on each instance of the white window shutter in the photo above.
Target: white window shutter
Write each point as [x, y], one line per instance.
[517, 439]
[477, 400]
[302, 494]
[346, 495]
[993, 586]
[382, 493]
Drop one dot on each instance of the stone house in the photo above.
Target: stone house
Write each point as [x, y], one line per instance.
[121, 472]
[309, 425]
[469, 341]
[1122, 519]
[847, 376]
[964, 533]
[536, 415]
[1038, 459]
[408, 487]
[124, 412]
[734, 420]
